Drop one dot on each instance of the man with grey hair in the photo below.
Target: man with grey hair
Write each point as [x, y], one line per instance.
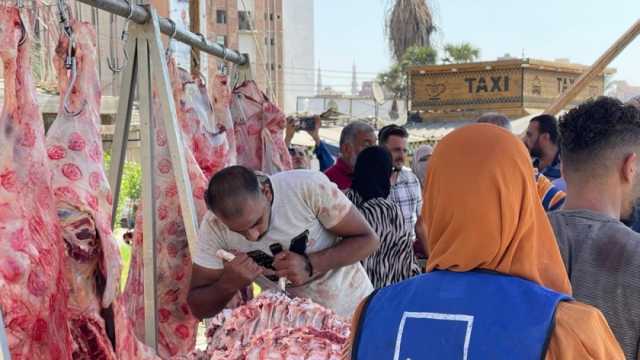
[354, 138]
[496, 119]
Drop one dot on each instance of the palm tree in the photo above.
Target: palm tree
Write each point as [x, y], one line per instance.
[461, 53]
[409, 23]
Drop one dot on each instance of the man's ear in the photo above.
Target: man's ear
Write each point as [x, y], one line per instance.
[266, 191]
[629, 167]
[546, 137]
[345, 148]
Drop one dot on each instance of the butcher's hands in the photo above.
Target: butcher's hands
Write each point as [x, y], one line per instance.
[293, 267]
[241, 271]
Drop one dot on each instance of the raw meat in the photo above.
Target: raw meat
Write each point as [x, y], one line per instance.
[278, 326]
[221, 108]
[33, 290]
[259, 128]
[83, 198]
[205, 137]
[281, 343]
[128, 347]
[176, 324]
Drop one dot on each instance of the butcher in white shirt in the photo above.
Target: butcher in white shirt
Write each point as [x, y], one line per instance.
[249, 214]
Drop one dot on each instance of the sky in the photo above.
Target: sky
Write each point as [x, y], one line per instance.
[348, 31]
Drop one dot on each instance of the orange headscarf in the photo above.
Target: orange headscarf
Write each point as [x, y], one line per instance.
[482, 210]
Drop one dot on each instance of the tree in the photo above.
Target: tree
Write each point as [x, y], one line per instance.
[409, 23]
[460, 53]
[395, 79]
[130, 185]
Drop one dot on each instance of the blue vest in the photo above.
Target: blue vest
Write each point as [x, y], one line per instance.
[446, 315]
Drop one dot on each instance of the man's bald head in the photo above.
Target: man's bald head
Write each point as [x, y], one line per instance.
[230, 189]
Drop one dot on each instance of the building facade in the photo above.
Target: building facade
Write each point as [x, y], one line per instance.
[255, 28]
[299, 51]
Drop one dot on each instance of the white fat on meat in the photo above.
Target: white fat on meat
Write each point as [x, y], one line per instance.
[274, 326]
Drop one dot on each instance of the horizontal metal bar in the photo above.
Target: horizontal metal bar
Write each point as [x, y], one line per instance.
[139, 14]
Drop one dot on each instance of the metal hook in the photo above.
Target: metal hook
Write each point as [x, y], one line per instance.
[196, 60]
[113, 63]
[174, 30]
[71, 64]
[23, 28]
[222, 66]
[64, 13]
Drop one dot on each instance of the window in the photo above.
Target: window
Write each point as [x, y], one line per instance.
[273, 42]
[221, 16]
[273, 66]
[244, 20]
[222, 40]
[271, 16]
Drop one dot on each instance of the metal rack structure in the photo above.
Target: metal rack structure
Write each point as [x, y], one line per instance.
[147, 64]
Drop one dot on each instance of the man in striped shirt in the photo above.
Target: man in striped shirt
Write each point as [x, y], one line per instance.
[552, 198]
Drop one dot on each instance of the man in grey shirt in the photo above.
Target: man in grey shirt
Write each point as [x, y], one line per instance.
[600, 146]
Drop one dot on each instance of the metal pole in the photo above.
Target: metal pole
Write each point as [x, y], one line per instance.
[148, 184]
[141, 15]
[123, 120]
[176, 146]
[597, 68]
[4, 347]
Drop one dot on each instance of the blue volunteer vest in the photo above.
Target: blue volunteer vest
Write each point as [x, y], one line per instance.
[446, 315]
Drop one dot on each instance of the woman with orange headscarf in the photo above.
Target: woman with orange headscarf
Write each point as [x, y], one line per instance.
[496, 287]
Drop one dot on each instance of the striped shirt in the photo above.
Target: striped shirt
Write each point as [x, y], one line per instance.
[602, 257]
[407, 193]
[394, 260]
[552, 198]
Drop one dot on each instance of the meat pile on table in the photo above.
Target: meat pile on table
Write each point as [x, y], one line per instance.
[275, 327]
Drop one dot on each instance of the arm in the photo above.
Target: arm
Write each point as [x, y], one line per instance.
[211, 290]
[358, 242]
[322, 153]
[289, 132]
[421, 236]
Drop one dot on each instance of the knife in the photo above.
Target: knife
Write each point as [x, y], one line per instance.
[261, 280]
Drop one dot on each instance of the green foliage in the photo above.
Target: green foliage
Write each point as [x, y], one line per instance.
[396, 78]
[130, 186]
[460, 53]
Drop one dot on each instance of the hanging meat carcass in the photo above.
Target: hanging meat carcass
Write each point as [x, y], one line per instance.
[176, 324]
[84, 203]
[33, 290]
[276, 327]
[83, 197]
[221, 108]
[206, 138]
[259, 128]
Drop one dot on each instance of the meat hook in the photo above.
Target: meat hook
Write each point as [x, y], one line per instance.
[23, 28]
[174, 30]
[71, 64]
[113, 63]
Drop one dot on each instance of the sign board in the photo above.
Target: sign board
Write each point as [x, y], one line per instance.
[465, 91]
[478, 88]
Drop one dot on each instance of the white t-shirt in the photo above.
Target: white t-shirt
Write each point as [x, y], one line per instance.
[302, 200]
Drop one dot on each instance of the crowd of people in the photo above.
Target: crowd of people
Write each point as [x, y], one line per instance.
[519, 245]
